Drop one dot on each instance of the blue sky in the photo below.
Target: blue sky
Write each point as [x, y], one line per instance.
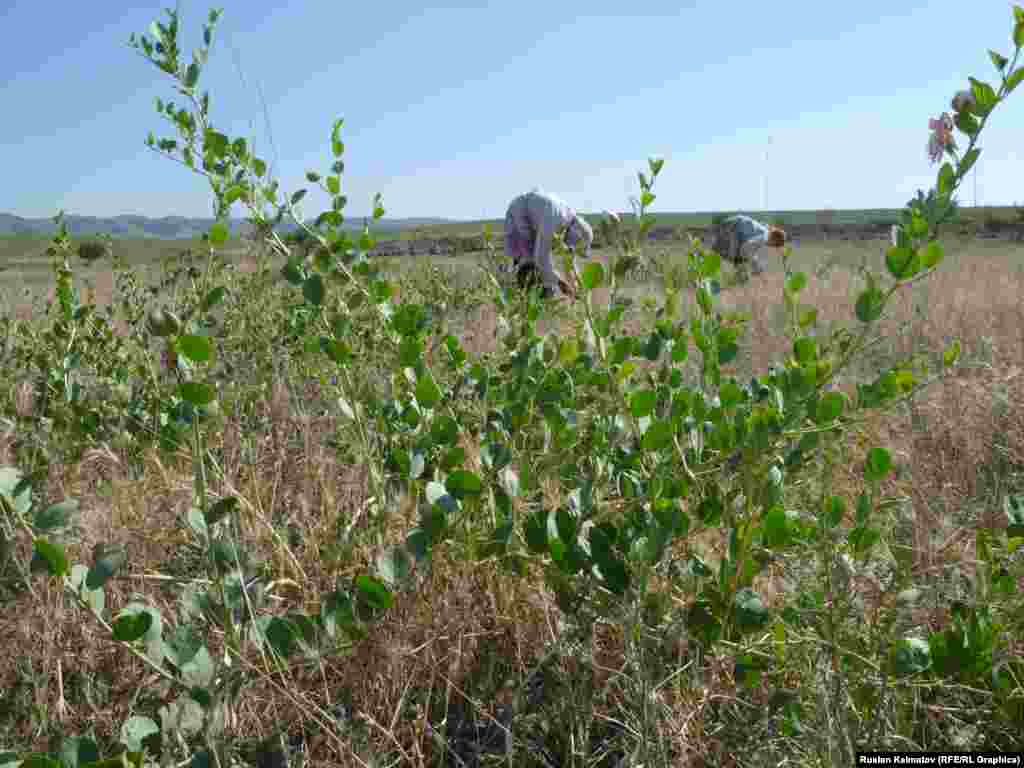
[454, 110]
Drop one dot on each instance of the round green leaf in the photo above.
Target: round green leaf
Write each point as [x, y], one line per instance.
[869, 305]
[932, 254]
[52, 555]
[902, 262]
[198, 349]
[373, 593]
[805, 350]
[129, 627]
[878, 464]
[395, 566]
[750, 610]
[911, 656]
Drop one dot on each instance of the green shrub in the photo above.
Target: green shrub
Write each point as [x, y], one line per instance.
[641, 456]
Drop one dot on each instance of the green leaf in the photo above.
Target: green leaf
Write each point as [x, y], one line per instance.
[775, 527]
[258, 167]
[410, 351]
[902, 263]
[805, 350]
[129, 627]
[967, 123]
[655, 164]
[197, 392]
[16, 493]
[911, 656]
[337, 147]
[427, 392]
[796, 282]
[710, 264]
[462, 483]
[219, 233]
[593, 275]
[1018, 34]
[336, 350]
[56, 516]
[932, 254]
[52, 555]
[214, 297]
[107, 560]
[75, 752]
[750, 611]
[869, 305]
[1014, 80]
[217, 143]
[878, 464]
[292, 273]
[642, 402]
[333, 184]
[951, 353]
[1013, 505]
[613, 571]
[863, 538]
[968, 161]
[373, 593]
[198, 349]
[395, 566]
[192, 75]
[313, 290]
[984, 95]
[658, 435]
[998, 60]
[946, 177]
[830, 407]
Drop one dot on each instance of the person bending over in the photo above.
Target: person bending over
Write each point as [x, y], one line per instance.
[740, 240]
[530, 225]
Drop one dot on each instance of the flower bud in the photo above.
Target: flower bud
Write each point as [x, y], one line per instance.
[963, 100]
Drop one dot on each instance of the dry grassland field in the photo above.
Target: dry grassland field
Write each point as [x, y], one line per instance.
[469, 656]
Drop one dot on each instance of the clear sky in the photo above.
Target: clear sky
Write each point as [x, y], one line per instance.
[454, 110]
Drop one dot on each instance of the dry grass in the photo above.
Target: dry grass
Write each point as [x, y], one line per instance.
[468, 631]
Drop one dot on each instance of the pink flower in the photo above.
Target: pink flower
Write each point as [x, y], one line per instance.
[942, 136]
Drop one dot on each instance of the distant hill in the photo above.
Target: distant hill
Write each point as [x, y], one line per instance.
[174, 227]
